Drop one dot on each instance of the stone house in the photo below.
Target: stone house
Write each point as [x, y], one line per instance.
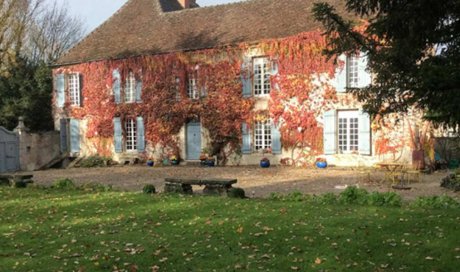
[242, 80]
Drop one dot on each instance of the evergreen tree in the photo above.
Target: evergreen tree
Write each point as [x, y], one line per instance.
[413, 48]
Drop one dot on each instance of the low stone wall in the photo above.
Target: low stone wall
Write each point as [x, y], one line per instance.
[38, 149]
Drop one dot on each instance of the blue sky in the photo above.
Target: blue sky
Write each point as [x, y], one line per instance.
[94, 13]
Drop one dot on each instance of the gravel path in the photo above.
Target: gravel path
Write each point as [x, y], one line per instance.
[256, 181]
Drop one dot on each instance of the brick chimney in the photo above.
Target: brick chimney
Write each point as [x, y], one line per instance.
[187, 3]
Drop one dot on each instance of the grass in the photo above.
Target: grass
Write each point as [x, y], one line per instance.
[58, 230]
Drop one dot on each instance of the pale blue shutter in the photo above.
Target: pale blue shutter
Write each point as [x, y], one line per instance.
[60, 90]
[246, 77]
[138, 90]
[329, 133]
[116, 87]
[140, 134]
[117, 135]
[246, 133]
[74, 136]
[341, 75]
[276, 139]
[63, 134]
[364, 76]
[364, 139]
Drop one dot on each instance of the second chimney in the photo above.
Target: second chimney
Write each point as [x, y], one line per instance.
[187, 3]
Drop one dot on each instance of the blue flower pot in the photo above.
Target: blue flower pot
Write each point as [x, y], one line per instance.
[264, 164]
[321, 165]
[174, 162]
[150, 163]
[210, 163]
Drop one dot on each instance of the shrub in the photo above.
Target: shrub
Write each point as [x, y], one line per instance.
[437, 202]
[295, 196]
[236, 193]
[94, 161]
[451, 182]
[63, 184]
[353, 195]
[19, 184]
[391, 199]
[275, 196]
[327, 198]
[149, 189]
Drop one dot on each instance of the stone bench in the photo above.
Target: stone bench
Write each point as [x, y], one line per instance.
[12, 179]
[212, 186]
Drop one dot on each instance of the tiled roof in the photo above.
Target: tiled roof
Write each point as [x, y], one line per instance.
[161, 26]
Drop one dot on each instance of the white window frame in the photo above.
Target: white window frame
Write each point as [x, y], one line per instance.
[262, 135]
[192, 87]
[261, 80]
[130, 88]
[348, 131]
[131, 135]
[353, 71]
[74, 89]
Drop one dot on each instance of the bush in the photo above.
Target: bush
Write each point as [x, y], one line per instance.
[437, 202]
[63, 184]
[94, 161]
[19, 184]
[390, 199]
[451, 182]
[353, 195]
[149, 189]
[326, 199]
[236, 193]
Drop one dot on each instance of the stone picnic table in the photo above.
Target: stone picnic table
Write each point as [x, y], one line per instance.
[212, 186]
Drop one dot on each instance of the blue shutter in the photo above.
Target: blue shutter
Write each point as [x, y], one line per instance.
[60, 90]
[276, 139]
[341, 75]
[140, 134]
[74, 136]
[138, 90]
[246, 77]
[116, 85]
[329, 133]
[364, 133]
[63, 134]
[117, 135]
[246, 133]
[364, 76]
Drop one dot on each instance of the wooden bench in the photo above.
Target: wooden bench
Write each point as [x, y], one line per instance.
[212, 186]
[15, 178]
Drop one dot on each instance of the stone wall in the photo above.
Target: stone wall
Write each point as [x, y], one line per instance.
[37, 150]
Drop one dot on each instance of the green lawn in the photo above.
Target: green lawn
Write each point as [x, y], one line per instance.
[52, 230]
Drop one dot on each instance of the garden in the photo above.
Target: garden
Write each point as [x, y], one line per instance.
[91, 227]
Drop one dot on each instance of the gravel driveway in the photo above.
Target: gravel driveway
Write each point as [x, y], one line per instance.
[257, 182]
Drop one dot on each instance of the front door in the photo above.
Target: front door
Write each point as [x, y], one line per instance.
[193, 141]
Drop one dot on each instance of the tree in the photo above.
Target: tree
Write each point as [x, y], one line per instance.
[413, 48]
[53, 32]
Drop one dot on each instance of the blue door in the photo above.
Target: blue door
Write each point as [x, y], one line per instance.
[193, 141]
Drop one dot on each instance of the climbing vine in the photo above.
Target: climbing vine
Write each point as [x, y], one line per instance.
[301, 92]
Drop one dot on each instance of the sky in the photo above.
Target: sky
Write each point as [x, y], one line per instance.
[95, 12]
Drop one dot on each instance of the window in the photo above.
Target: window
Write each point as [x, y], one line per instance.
[192, 88]
[352, 71]
[348, 131]
[261, 70]
[131, 135]
[262, 135]
[176, 88]
[130, 90]
[74, 89]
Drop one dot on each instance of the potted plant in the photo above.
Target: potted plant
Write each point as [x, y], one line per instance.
[264, 162]
[173, 159]
[321, 163]
[150, 162]
[203, 158]
[210, 161]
